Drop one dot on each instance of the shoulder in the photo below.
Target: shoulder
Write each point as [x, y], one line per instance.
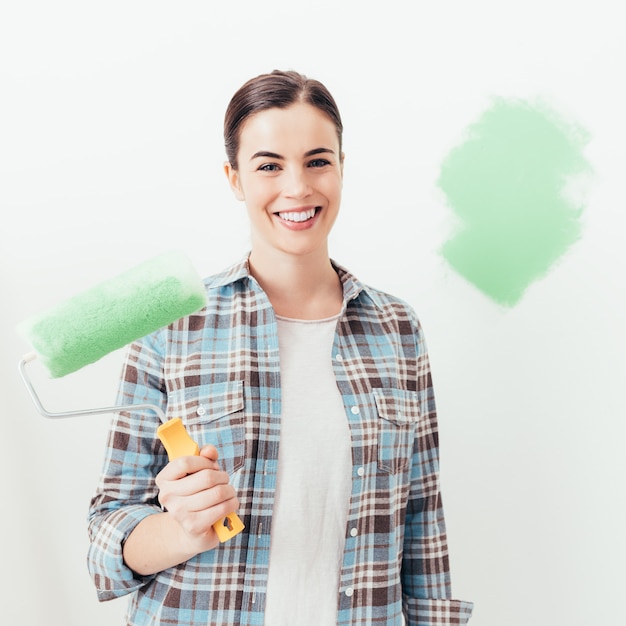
[389, 310]
[387, 300]
[374, 305]
[237, 272]
[357, 290]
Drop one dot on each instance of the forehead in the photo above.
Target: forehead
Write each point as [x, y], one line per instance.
[296, 128]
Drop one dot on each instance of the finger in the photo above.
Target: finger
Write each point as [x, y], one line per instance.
[219, 497]
[203, 480]
[195, 492]
[184, 465]
[201, 522]
[199, 511]
[191, 484]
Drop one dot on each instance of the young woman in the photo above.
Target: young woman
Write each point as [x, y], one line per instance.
[312, 397]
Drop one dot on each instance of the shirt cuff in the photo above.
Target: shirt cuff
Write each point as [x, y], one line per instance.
[112, 577]
[437, 612]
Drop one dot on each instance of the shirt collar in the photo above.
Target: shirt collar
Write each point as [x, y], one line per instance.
[234, 273]
[352, 286]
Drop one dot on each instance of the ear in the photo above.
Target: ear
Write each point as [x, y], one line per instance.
[233, 180]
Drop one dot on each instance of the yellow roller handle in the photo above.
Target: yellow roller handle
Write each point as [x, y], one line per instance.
[178, 443]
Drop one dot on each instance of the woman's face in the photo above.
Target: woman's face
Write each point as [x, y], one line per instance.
[290, 176]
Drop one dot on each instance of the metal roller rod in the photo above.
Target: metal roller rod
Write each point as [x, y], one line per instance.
[95, 411]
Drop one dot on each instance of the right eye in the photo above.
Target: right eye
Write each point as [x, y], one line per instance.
[268, 167]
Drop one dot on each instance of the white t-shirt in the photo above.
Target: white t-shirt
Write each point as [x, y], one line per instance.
[314, 480]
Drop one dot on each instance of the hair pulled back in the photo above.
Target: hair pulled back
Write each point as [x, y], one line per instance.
[278, 89]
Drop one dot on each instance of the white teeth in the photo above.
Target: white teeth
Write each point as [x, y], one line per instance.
[301, 216]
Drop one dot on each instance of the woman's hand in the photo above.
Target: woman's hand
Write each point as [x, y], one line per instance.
[196, 493]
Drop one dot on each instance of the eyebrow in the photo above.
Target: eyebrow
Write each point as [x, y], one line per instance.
[273, 155]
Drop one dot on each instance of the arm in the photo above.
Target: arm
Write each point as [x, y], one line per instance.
[425, 567]
[126, 509]
[195, 494]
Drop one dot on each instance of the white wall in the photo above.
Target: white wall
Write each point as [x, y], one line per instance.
[110, 152]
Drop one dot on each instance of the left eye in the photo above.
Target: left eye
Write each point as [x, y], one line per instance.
[319, 163]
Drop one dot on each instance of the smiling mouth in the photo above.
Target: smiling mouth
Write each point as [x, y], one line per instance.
[298, 216]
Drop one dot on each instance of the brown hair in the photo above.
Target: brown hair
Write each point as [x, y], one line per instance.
[278, 89]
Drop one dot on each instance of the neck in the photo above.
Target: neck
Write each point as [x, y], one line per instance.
[301, 287]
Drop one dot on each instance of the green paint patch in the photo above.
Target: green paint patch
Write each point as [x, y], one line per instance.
[515, 184]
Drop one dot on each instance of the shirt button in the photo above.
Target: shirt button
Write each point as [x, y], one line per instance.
[354, 532]
[349, 592]
[361, 471]
[201, 410]
[339, 358]
[355, 410]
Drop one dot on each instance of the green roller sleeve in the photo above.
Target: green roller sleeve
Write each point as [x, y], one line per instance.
[83, 329]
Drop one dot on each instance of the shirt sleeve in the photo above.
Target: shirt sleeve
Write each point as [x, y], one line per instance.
[127, 492]
[427, 593]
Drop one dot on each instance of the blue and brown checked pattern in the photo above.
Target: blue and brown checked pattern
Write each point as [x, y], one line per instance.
[219, 371]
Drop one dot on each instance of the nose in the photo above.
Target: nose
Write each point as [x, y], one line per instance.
[297, 184]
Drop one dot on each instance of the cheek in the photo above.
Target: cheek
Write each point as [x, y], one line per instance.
[259, 193]
[332, 189]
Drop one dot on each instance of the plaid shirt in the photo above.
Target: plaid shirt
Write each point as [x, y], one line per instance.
[219, 371]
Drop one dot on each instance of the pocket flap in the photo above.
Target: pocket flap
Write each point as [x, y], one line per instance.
[208, 403]
[399, 406]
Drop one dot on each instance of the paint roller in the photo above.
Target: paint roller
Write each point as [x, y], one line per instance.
[85, 328]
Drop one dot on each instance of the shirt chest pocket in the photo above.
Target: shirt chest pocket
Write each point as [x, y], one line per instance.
[398, 416]
[214, 414]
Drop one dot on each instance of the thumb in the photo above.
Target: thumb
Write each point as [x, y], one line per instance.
[209, 452]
